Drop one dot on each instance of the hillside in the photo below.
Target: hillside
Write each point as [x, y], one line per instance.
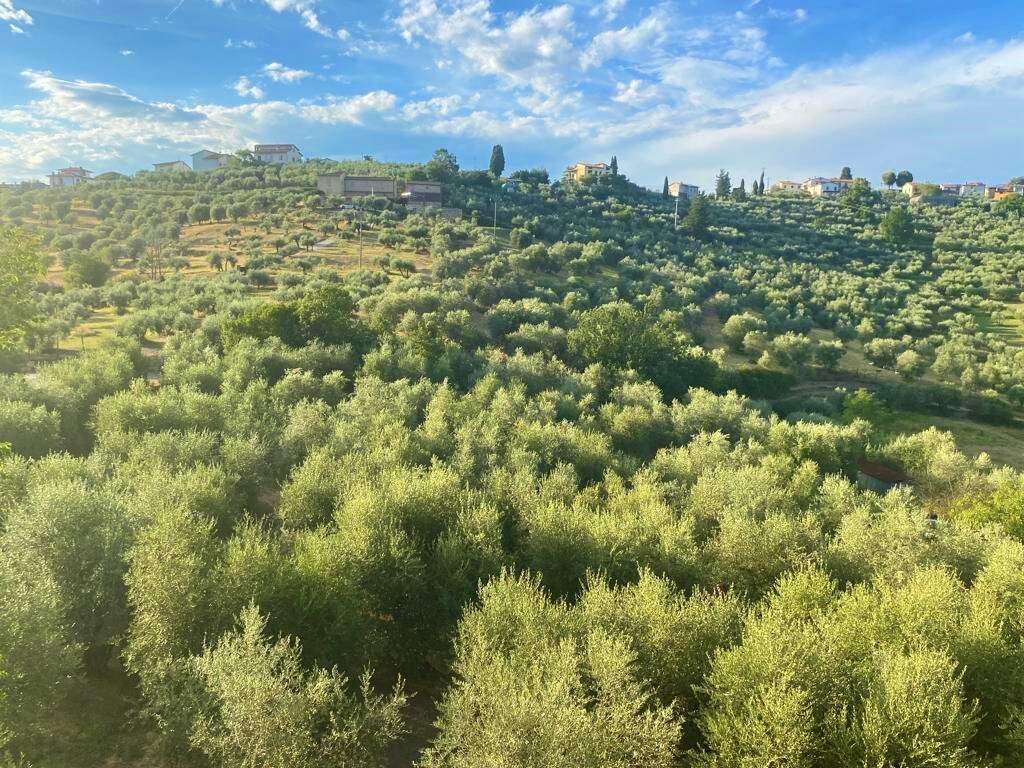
[581, 487]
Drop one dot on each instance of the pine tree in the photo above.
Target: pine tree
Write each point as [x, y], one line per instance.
[664, 191]
[846, 173]
[723, 185]
[497, 165]
[697, 219]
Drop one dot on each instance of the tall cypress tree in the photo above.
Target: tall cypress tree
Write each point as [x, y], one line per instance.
[760, 188]
[664, 191]
[615, 166]
[497, 165]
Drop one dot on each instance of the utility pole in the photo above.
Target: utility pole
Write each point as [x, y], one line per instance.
[494, 231]
[675, 219]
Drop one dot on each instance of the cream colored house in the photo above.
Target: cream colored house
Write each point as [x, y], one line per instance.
[580, 171]
[786, 186]
[683, 191]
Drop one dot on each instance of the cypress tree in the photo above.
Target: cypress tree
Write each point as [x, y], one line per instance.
[497, 165]
[664, 191]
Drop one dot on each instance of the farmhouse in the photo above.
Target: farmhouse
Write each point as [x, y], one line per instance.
[879, 478]
[205, 160]
[973, 189]
[339, 184]
[684, 191]
[173, 165]
[822, 187]
[577, 172]
[70, 177]
[786, 186]
[277, 154]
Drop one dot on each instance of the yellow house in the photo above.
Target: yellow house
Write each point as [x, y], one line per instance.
[579, 171]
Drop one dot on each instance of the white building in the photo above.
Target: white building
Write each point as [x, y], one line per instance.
[69, 177]
[684, 191]
[1019, 189]
[173, 165]
[822, 187]
[205, 160]
[277, 154]
[973, 189]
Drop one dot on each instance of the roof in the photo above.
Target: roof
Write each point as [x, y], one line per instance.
[975, 184]
[208, 154]
[881, 472]
[72, 171]
[169, 162]
[276, 148]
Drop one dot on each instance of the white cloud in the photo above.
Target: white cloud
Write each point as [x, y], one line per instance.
[608, 9]
[903, 101]
[641, 39]
[9, 13]
[531, 50]
[243, 87]
[77, 121]
[635, 92]
[350, 110]
[127, 52]
[16, 29]
[279, 73]
[239, 43]
[966, 37]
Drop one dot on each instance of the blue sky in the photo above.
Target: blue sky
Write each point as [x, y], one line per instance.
[677, 88]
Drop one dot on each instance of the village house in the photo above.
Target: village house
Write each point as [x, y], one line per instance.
[173, 165]
[683, 191]
[577, 172]
[339, 184]
[822, 187]
[277, 154]
[786, 186]
[1018, 188]
[951, 189]
[422, 194]
[70, 177]
[973, 189]
[997, 193]
[205, 160]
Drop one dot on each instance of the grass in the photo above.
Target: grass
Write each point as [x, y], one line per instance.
[1005, 445]
[91, 333]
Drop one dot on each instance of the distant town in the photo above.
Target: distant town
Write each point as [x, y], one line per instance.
[428, 194]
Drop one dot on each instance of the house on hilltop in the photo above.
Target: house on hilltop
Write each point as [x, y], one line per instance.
[205, 160]
[70, 177]
[683, 191]
[277, 154]
[577, 172]
[173, 165]
[786, 186]
[973, 189]
[820, 186]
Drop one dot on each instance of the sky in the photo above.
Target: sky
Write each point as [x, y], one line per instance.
[676, 88]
